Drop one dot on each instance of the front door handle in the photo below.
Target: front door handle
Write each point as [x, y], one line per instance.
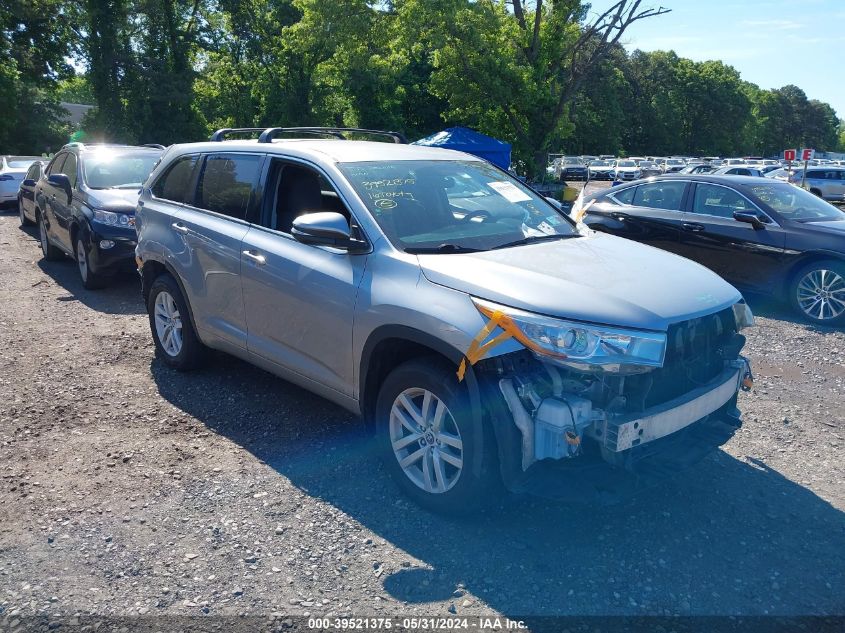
[695, 227]
[179, 227]
[619, 216]
[258, 258]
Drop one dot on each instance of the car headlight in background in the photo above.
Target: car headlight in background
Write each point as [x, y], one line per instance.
[580, 346]
[113, 219]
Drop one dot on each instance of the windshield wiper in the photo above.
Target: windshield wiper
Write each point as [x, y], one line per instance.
[443, 248]
[535, 238]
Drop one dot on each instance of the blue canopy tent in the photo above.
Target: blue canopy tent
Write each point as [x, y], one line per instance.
[466, 140]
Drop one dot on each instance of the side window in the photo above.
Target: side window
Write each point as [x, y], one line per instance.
[69, 169]
[660, 195]
[57, 164]
[227, 182]
[719, 201]
[816, 175]
[34, 171]
[175, 183]
[626, 196]
[295, 190]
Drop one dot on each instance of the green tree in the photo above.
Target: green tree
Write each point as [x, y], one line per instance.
[515, 72]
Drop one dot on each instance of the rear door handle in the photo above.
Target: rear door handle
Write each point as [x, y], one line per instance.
[692, 226]
[258, 258]
[179, 227]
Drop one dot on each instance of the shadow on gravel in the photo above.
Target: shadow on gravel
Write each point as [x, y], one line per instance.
[121, 296]
[771, 308]
[727, 537]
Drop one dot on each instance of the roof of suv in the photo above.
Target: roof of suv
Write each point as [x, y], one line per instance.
[341, 151]
[87, 147]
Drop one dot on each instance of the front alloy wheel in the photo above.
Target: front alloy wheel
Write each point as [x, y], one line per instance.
[90, 279]
[818, 292]
[426, 441]
[434, 445]
[821, 294]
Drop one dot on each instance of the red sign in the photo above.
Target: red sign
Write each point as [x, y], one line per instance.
[789, 154]
[807, 154]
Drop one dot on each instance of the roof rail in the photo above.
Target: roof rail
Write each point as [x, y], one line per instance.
[154, 145]
[222, 133]
[338, 132]
[74, 144]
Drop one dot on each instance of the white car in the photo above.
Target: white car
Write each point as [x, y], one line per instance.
[12, 171]
[624, 170]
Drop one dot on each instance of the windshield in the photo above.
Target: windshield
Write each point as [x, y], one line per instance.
[20, 162]
[449, 206]
[571, 161]
[626, 163]
[118, 170]
[796, 204]
[599, 163]
[648, 164]
[675, 161]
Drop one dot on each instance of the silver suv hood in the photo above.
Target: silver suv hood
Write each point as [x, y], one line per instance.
[598, 278]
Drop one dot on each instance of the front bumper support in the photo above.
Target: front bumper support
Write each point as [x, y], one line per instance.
[621, 433]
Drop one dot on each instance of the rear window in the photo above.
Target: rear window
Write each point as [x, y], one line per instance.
[175, 184]
[226, 183]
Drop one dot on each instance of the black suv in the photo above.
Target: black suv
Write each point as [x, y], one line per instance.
[85, 206]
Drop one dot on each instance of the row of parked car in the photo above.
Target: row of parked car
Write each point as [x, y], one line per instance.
[485, 335]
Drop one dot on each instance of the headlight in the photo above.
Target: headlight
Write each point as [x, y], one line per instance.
[113, 219]
[742, 316]
[581, 346]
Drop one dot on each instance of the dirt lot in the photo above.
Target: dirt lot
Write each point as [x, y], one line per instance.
[127, 488]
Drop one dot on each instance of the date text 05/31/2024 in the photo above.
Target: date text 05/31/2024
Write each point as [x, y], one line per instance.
[417, 624]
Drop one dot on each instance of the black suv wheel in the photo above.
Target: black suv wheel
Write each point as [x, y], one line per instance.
[90, 279]
[50, 252]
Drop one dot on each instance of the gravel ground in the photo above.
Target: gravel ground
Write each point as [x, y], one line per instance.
[127, 488]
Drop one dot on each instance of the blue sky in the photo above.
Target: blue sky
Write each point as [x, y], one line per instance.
[771, 43]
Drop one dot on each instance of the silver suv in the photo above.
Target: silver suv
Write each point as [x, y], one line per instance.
[484, 335]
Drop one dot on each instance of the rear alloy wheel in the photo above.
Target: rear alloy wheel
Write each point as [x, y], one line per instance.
[50, 252]
[25, 221]
[90, 279]
[429, 440]
[176, 342]
[818, 293]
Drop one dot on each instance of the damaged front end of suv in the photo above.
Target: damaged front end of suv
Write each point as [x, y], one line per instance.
[580, 396]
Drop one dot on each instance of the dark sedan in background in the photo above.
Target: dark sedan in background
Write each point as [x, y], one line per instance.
[760, 234]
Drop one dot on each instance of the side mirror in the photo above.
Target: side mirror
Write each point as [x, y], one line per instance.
[62, 182]
[750, 217]
[28, 182]
[555, 203]
[323, 228]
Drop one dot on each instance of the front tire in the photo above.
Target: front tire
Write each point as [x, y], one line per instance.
[818, 293]
[50, 252]
[90, 279]
[176, 341]
[429, 441]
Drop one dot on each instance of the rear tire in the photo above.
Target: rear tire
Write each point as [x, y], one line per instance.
[429, 441]
[173, 332]
[817, 293]
[48, 251]
[90, 279]
[816, 192]
[25, 221]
